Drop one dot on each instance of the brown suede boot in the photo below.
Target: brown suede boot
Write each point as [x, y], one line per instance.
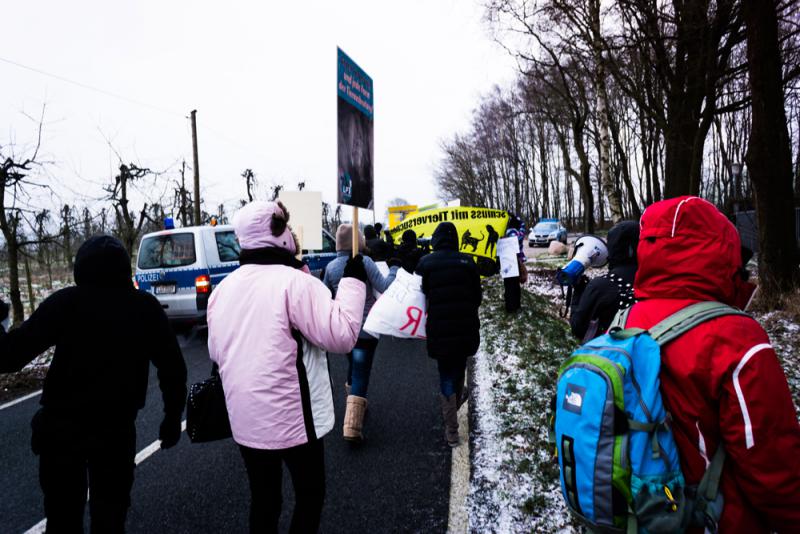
[354, 417]
[450, 415]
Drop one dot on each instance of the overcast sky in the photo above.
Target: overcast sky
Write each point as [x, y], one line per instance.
[262, 76]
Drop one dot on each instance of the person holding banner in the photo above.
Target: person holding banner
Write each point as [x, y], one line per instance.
[452, 285]
[377, 248]
[409, 251]
[513, 285]
[360, 358]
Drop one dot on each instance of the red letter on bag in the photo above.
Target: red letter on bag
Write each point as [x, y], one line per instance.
[411, 311]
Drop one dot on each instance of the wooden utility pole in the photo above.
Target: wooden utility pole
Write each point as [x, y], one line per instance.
[196, 169]
[356, 240]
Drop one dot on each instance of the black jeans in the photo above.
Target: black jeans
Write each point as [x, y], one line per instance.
[512, 293]
[306, 465]
[102, 463]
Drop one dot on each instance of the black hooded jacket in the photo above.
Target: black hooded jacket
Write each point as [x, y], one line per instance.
[377, 248]
[606, 294]
[451, 282]
[409, 251]
[105, 334]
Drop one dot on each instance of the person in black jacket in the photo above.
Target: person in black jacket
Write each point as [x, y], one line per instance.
[377, 248]
[595, 302]
[105, 334]
[409, 252]
[452, 285]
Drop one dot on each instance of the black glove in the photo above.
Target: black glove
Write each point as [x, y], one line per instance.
[3, 311]
[170, 431]
[354, 268]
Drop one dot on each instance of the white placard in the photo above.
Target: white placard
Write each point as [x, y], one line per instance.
[305, 216]
[507, 249]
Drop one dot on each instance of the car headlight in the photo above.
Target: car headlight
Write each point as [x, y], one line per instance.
[553, 235]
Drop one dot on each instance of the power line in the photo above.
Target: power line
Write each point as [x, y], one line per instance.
[91, 87]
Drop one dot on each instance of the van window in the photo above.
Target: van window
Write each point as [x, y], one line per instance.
[169, 250]
[328, 244]
[227, 246]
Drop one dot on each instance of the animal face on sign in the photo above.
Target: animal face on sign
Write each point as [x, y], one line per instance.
[491, 242]
[467, 240]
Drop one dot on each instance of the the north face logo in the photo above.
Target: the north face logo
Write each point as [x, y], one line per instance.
[573, 398]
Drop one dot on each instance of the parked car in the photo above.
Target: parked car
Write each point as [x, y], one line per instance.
[546, 231]
[182, 266]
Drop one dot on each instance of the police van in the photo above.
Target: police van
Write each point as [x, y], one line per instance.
[181, 266]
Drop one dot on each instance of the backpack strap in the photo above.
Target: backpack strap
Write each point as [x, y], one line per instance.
[687, 318]
[620, 318]
[708, 490]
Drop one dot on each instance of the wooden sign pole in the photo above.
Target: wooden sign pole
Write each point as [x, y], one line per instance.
[355, 231]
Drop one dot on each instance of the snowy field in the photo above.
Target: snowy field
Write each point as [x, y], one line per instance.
[514, 485]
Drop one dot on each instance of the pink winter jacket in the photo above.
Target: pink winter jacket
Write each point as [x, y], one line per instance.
[268, 329]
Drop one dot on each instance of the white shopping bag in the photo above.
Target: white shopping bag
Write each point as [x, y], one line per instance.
[400, 311]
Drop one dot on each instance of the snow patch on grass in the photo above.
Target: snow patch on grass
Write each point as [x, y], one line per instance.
[784, 334]
[514, 485]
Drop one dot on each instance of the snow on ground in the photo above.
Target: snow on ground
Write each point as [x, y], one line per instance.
[784, 334]
[514, 485]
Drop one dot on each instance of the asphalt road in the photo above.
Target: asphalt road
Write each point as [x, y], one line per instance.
[397, 481]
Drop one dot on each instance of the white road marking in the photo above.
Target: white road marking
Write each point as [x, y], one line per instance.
[21, 399]
[457, 522]
[141, 456]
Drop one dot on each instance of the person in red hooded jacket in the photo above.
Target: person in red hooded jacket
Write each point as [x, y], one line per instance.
[721, 381]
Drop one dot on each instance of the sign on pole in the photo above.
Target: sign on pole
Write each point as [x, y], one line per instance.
[305, 216]
[355, 134]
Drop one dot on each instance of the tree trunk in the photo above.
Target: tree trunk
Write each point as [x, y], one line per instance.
[585, 181]
[679, 152]
[636, 213]
[9, 230]
[543, 165]
[31, 295]
[769, 157]
[611, 192]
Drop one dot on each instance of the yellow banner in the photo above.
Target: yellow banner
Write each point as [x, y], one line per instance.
[398, 214]
[478, 231]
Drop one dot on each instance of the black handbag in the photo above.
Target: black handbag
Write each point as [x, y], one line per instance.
[206, 412]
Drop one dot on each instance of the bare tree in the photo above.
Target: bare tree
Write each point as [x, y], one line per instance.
[14, 171]
[128, 223]
[250, 180]
[769, 155]
[66, 233]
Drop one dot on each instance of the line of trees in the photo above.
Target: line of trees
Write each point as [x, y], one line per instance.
[622, 103]
[135, 201]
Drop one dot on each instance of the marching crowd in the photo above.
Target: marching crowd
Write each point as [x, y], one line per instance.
[270, 325]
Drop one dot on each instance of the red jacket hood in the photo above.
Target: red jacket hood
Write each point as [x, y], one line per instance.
[688, 250]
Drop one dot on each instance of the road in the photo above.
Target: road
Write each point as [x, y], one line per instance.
[397, 481]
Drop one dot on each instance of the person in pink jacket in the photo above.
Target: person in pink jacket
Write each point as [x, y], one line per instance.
[270, 324]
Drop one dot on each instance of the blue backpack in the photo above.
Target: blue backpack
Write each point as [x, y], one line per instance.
[620, 469]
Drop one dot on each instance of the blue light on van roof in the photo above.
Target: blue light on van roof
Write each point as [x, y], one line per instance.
[169, 223]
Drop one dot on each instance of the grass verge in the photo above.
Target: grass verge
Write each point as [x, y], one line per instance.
[515, 479]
